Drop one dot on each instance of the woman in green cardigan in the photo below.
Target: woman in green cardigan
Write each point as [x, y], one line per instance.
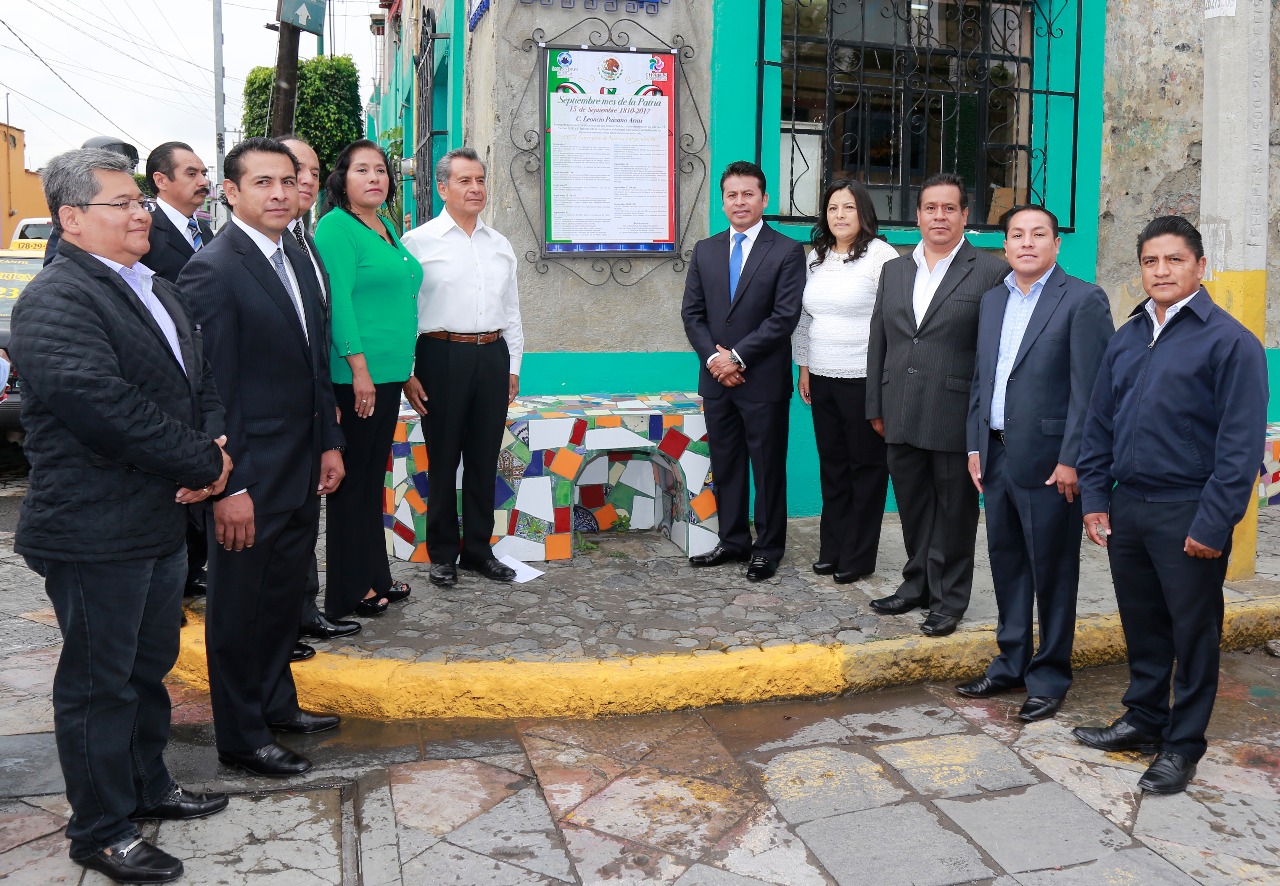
[373, 283]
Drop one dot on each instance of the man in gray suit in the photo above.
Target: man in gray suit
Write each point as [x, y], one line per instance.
[920, 357]
[1041, 336]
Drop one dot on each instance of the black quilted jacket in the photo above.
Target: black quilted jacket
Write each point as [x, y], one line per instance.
[114, 425]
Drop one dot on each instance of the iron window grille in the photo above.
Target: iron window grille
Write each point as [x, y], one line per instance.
[892, 91]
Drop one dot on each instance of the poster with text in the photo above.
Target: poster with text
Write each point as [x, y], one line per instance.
[610, 151]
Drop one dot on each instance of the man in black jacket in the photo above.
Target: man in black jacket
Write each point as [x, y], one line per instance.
[124, 429]
[257, 299]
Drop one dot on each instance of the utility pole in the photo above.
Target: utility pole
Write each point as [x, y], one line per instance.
[219, 121]
[1233, 186]
[284, 98]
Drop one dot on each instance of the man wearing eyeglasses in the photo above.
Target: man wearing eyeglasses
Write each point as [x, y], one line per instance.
[124, 429]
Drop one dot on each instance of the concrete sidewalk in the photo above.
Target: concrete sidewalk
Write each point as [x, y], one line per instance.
[628, 626]
[909, 786]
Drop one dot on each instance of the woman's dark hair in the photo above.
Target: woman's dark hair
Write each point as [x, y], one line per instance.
[868, 225]
[335, 186]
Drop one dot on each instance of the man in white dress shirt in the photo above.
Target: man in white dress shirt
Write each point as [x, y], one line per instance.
[466, 367]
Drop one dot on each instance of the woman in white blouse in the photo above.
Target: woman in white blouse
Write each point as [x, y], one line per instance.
[830, 346]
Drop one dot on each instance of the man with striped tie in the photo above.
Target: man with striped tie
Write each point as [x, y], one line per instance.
[181, 184]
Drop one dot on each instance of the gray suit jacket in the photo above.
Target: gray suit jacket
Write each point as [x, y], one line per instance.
[918, 379]
[1049, 386]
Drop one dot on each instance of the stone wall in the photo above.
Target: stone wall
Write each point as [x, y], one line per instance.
[561, 310]
[1153, 107]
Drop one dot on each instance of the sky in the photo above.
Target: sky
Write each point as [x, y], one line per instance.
[143, 69]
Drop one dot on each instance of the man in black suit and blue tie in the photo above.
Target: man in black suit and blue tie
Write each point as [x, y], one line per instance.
[256, 297]
[1041, 336]
[742, 301]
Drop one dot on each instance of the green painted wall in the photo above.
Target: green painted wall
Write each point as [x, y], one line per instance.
[1273, 372]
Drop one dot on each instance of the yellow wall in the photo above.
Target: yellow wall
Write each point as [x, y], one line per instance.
[20, 193]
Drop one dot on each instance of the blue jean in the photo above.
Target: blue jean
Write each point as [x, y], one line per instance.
[120, 623]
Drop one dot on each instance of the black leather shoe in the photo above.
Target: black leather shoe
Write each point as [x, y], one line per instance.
[181, 805]
[324, 629]
[1039, 707]
[273, 760]
[939, 625]
[1119, 736]
[822, 568]
[197, 585]
[134, 860]
[718, 555]
[301, 652]
[307, 722]
[893, 605]
[398, 591]
[1167, 774]
[444, 574]
[761, 568]
[985, 687]
[846, 578]
[492, 569]
[369, 607]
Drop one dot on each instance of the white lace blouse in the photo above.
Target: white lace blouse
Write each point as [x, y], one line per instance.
[831, 338]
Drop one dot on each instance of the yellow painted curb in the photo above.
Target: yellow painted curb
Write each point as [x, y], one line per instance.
[374, 687]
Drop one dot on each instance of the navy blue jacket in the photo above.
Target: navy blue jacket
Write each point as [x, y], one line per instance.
[1183, 419]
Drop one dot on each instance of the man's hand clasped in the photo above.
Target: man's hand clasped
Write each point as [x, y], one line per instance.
[724, 370]
[187, 496]
[416, 396]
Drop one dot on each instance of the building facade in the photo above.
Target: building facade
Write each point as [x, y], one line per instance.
[1092, 108]
[21, 195]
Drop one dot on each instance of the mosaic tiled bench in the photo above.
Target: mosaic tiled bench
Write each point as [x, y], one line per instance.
[1269, 493]
[571, 465]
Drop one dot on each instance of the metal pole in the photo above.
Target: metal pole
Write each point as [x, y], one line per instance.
[285, 96]
[219, 120]
[1233, 185]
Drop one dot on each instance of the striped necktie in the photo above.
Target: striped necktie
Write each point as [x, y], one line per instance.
[194, 230]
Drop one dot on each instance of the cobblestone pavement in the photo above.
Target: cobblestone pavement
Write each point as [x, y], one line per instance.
[913, 786]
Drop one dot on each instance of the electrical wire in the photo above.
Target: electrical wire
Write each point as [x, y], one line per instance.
[69, 86]
[46, 126]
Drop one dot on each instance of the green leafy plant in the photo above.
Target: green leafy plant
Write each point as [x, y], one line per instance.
[392, 141]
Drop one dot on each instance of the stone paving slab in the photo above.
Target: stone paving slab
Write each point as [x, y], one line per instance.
[810, 793]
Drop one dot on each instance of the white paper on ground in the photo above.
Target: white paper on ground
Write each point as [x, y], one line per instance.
[524, 572]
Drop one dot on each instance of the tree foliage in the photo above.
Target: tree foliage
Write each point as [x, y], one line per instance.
[329, 115]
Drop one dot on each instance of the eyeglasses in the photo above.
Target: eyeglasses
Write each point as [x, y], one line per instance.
[144, 203]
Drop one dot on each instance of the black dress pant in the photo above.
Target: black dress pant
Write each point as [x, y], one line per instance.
[119, 621]
[1033, 536]
[853, 473]
[197, 546]
[468, 391]
[252, 624]
[1171, 608]
[355, 541]
[744, 434]
[938, 505]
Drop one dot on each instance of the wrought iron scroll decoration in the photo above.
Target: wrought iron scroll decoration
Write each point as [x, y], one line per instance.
[691, 144]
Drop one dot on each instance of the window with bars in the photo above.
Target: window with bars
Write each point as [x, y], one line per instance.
[892, 91]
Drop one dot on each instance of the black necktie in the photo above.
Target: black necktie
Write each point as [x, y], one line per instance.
[301, 238]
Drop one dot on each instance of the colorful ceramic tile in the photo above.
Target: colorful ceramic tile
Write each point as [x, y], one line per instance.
[673, 444]
[606, 517]
[532, 528]
[566, 463]
[703, 504]
[534, 498]
[559, 547]
[584, 520]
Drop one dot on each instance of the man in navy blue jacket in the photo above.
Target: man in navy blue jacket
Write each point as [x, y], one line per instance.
[1168, 466]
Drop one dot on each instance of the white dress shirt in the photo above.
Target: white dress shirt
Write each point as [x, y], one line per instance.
[927, 282]
[752, 233]
[269, 247]
[180, 221]
[139, 279]
[1156, 326]
[311, 253]
[468, 282]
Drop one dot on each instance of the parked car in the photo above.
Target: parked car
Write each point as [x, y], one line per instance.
[17, 269]
[31, 234]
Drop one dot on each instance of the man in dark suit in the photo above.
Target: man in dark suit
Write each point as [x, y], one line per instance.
[920, 357]
[178, 177]
[182, 186]
[257, 301]
[313, 621]
[1041, 335]
[124, 430]
[742, 301]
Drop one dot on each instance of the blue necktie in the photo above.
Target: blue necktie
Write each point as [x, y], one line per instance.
[735, 264]
[195, 234]
[277, 262]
